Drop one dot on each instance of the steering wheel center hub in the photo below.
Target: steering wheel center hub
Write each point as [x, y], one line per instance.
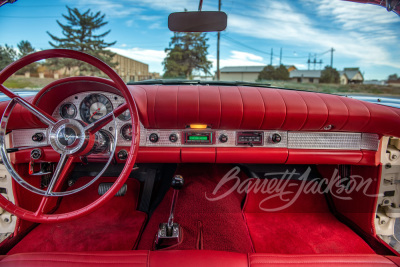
[68, 137]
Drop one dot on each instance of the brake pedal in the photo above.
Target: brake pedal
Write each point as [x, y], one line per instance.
[103, 188]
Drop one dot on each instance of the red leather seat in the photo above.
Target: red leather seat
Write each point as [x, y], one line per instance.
[190, 258]
[74, 259]
[361, 260]
[135, 258]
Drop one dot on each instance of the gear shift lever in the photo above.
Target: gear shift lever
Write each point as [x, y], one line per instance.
[170, 233]
[177, 184]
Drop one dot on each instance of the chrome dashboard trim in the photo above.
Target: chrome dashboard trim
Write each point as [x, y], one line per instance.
[324, 140]
[289, 139]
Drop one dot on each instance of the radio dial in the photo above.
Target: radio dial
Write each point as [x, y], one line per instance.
[223, 138]
[276, 138]
[173, 138]
[153, 138]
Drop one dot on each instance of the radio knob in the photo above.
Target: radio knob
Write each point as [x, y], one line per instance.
[38, 137]
[173, 138]
[276, 138]
[122, 154]
[223, 138]
[153, 138]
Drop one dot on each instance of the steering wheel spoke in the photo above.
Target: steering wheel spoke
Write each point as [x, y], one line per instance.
[60, 174]
[58, 133]
[100, 123]
[7, 92]
[42, 115]
[56, 182]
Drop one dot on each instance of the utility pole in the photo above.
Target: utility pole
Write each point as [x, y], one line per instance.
[309, 61]
[332, 50]
[218, 38]
[280, 58]
[315, 60]
[272, 54]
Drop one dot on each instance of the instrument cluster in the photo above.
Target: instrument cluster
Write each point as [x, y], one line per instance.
[91, 106]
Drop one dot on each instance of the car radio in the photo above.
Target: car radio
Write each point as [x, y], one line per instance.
[250, 138]
[198, 138]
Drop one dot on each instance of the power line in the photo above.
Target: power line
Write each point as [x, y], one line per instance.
[263, 52]
[31, 17]
[244, 45]
[281, 56]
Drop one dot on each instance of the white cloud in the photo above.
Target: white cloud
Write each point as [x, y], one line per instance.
[123, 8]
[287, 25]
[129, 23]
[111, 8]
[149, 17]
[155, 25]
[238, 58]
[353, 16]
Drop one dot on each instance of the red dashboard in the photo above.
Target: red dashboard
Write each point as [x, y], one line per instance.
[338, 130]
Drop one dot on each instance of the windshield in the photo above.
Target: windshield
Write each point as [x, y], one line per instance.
[326, 46]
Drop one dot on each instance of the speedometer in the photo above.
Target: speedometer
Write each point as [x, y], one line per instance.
[95, 106]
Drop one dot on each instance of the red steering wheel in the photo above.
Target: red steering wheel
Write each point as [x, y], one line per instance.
[85, 134]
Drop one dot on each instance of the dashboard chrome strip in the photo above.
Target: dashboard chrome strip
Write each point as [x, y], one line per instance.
[291, 140]
[324, 140]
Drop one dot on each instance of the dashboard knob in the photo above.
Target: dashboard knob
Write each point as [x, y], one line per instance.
[122, 154]
[153, 138]
[36, 154]
[38, 137]
[276, 138]
[223, 138]
[173, 138]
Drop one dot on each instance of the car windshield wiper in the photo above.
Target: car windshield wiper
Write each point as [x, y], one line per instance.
[197, 82]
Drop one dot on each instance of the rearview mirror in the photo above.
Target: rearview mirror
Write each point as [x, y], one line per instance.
[198, 21]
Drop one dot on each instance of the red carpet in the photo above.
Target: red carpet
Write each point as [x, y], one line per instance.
[115, 226]
[304, 227]
[223, 226]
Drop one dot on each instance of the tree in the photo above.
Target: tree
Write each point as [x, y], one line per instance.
[281, 73]
[187, 52]
[329, 75]
[393, 77]
[79, 35]
[271, 73]
[267, 73]
[7, 56]
[26, 48]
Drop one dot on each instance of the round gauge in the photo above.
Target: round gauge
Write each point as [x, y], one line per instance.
[68, 111]
[124, 116]
[126, 132]
[95, 106]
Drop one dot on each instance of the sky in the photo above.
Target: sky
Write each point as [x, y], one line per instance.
[362, 35]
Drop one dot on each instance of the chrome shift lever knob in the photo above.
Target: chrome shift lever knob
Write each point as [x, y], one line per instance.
[170, 233]
[177, 182]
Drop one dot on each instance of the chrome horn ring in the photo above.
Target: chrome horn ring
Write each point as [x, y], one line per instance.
[64, 147]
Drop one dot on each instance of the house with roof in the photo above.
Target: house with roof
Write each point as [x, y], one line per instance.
[351, 76]
[244, 73]
[305, 76]
[395, 83]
